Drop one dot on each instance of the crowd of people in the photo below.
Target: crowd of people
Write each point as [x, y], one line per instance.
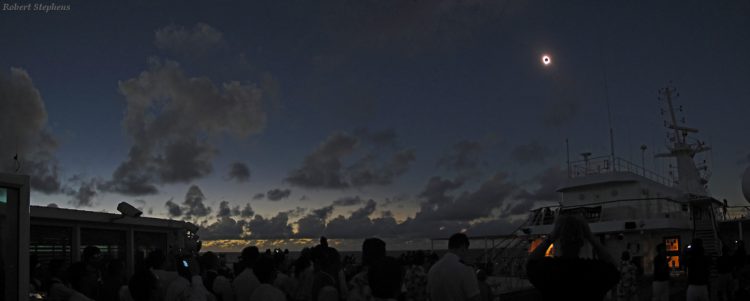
[320, 273]
[570, 277]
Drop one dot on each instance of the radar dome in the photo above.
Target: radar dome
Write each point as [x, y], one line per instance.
[746, 184]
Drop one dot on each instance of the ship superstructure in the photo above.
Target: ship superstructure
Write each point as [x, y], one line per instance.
[629, 207]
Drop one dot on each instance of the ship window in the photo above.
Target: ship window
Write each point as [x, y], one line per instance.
[674, 262]
[673, 244]
[51, 242]
[673, 251]
[615, 192]
[645, 191]
[110, 242]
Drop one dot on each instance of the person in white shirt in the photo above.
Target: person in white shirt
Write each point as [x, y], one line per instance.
[450, 279]
[265, 271]
[245, 282]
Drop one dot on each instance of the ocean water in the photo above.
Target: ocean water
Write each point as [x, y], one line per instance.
[232, 257]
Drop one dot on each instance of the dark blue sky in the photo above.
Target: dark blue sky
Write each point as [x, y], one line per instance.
[380, 96]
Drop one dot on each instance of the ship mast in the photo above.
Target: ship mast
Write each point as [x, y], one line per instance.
[689, 179]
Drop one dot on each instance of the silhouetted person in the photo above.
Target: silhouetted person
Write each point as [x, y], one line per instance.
[385, 278]
[415, 278]
[83, 281]
[245, 282]
[698, 270]
[741, 273]
[303, 275]
[265, 271]
[485, 293]
[189, 285]
[627, 288]
[373, 250]
[213, 281]
[660, 286]
[449, 278]
[725, 269]
[57, 288]
[112, 281]
[569, 277]
[328, 281]
[92, 258]
[143, 286]
[156, 261]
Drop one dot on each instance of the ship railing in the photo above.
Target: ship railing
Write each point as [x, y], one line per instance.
[605, 164]
[731, 213]
[625, 209]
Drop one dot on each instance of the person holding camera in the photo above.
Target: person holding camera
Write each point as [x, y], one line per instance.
[567, 276]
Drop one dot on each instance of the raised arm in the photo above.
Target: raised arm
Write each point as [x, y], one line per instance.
[599, 249]
[541, 249]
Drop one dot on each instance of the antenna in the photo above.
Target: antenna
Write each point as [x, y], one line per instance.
[567, 155]
[609, 109]
[15, 158]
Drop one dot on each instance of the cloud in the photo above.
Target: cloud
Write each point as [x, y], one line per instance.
[171, 119]
[384, 138]
[325, 168]
[531, 153]
[23, 131]
[193, 206]
[239, 172]
[314, 224]
[467, 206]
[275, 227]
[246, 211]
[224, 228]
[296, 212]
[195, 41]
[173, 210]
[547, 183]
[463, 156]
[348, 201]
[225, 210]
[259, 196]
[277, 194]
[84, 195]
[360, 224]
[322, 168]
[436, 189]
[367, 172]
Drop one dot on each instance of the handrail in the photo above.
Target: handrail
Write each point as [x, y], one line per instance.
[598, 215]
[606, 164]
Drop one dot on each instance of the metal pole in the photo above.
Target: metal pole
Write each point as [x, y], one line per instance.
[643, 159]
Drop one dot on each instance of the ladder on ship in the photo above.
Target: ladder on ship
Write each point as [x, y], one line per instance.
[705, 228]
